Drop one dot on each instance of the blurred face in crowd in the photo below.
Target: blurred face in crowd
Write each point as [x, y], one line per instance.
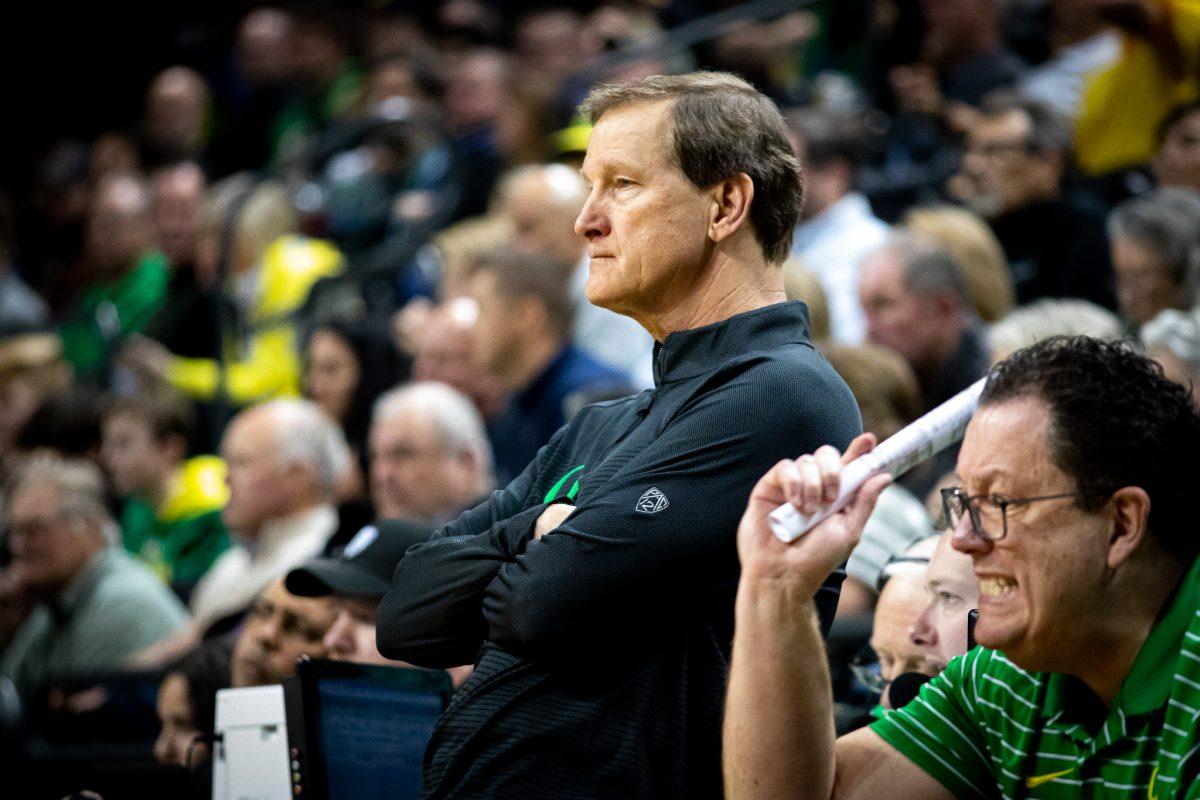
[118, 227]
[413, 472]
[259, 485]
[136, 460]
[1039, 583]
[179, 729]
[445, 353]
[941, 629]
[279, 629]
[177, 205]
[332, 373]
[899, 319]
[176, 106]
[542, 215]
[1144, 284]
[645, 222]
[48, 548]
[392, 79]
[1177, 162]
[549, 41]
[263, 46]
[476, 91]
[498, 334]
[1000, 172]
[951, 26]
[900, 603]
[351, 637]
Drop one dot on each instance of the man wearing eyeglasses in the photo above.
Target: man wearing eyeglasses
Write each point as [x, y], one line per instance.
[1075, 506]
[1017, 154]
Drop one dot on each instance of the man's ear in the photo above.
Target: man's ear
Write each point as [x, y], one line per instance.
[731, 206]
[1130, 515]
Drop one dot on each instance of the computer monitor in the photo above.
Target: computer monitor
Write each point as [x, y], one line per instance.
[367, 727]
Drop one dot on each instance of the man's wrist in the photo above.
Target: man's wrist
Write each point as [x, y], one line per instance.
[775, 594]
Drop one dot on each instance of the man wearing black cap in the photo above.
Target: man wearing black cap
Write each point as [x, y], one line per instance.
[357, 578]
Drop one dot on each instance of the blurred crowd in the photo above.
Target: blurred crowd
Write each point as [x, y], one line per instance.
[337, 282]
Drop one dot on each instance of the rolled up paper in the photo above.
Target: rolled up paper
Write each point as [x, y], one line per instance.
[932, 433]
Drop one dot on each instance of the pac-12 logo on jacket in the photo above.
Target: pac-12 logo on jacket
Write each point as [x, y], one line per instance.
[652, 501]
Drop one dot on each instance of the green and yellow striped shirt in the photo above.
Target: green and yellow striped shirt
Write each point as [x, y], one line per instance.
[987, 728]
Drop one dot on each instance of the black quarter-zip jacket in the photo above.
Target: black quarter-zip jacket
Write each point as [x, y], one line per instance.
[601, 649]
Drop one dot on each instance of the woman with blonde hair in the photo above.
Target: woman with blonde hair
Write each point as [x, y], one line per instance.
[977, 251]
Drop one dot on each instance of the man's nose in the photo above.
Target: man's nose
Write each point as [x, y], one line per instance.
[337, 639]
[268, 633]
[592, 222]
[964, 539]
[922, 633]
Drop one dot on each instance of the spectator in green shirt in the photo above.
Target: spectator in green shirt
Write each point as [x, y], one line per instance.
[1074, 505]
[171, 516]
[127, 277]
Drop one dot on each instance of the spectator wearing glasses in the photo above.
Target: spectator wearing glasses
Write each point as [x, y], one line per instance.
[1017, 157]
[1074, 507]
[72, 601]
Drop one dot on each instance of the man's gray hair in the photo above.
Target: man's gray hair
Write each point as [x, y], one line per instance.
[1028, 325]
[929, 267]
[78, 488]
[1167, 223]
[304, 434]
[455, 420]
[1177, 332]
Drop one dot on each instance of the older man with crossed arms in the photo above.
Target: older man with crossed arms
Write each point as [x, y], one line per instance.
[1075, 504]
[594, 593]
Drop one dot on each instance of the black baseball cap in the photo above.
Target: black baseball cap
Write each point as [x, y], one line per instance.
[364, 567]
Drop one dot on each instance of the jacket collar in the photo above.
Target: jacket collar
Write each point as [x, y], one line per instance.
[691, 353]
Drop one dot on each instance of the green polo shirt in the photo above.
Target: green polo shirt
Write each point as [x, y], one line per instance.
[987, 728]
[113, 608]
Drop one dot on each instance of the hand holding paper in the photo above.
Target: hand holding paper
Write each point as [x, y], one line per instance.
[932, 433]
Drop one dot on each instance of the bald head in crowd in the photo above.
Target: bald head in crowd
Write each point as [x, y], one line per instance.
[284, 457]
[541, 203]
[430, 456]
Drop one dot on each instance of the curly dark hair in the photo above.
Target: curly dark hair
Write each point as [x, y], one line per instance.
[1116, 421]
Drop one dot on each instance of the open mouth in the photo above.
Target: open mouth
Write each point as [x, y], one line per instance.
[996, 588]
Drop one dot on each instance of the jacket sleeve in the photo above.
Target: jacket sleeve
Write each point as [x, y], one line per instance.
[632, 560]
[432, 614]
